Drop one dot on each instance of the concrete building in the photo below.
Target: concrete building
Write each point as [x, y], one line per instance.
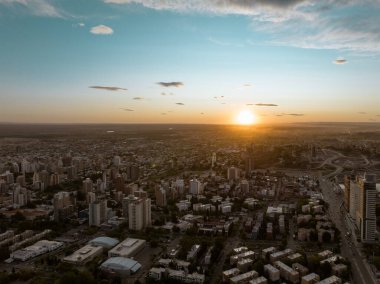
[232, 173]
[127, 248]
[104, 242]
[228, 274]
[366, 220]
[331, 280]
[160, 194]
[37, 249]
[244, 278]
[196, 187]
[139, 213]
[272, 272]
[63, 206]
[84, 254]
[87, 185]
[287, 272]
[245, 264]
[248, 254]
[156, 273]
[120, 265]
[259, 280]
[311, 278]
[97, 213]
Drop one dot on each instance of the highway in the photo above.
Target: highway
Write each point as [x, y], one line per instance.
[361, 271]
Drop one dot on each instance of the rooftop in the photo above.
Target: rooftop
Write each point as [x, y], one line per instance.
[121, 263]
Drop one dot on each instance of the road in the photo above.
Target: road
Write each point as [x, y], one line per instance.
[361, 271]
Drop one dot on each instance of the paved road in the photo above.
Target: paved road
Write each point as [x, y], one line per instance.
[361, 271]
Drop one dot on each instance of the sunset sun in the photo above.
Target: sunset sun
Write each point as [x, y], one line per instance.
[245, 117]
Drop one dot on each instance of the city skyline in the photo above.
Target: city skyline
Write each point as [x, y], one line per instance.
[141, 61]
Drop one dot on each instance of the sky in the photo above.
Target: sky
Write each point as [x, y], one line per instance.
[189, 61]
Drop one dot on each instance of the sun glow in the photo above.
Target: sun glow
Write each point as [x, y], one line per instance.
[245, 117]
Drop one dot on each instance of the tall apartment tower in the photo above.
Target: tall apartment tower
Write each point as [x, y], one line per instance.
[63, 206]
[213, 159]
[160, 194]
[347, 191]
[195, 187]
[139, 213]
[232, 173]
[367, 208]
[249, 159]
[87, 185]
[97, 213]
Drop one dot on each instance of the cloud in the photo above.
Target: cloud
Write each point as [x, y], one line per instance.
[127, 109]
[202, 113]
[324, 24]
[138, 98]
[295, 114]
[107, 88]
[362, 112]
[214, 6]
[77, 25]
[340, 61]
[266, 105]
[180, 104]
[378, 115]
[101, 30]
[35, 7]
[170, 84]
[249, 104]
[163, 113]
[167, 94]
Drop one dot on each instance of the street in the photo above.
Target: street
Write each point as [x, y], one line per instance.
[360, 269]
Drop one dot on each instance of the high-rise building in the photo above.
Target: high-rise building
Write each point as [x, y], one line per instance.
[354, 198]
[133, 172]
[139, 213]
[367, 208]
[97, 213]
[116, 161]
[233, 173]
[87, 185]
[54, 179]
[213, 159]
[63, 206]
[119, 183]
[347, 187]
[180, 186]
[196, 187]
[249, 159]
[160, 194]
[20, 195]
[90, 197]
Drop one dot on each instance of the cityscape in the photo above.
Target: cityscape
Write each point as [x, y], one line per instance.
[188, 141]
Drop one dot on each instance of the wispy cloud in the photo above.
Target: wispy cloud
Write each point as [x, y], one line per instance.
[362, 112]
[294, 114]
[180, 104]
[324, 24]
[101, 30]
[127, 109]
[340, 61]
[35, 7]
[265, 105]
[138, 98]
[170, 84]
[167, 94]
[107, 88]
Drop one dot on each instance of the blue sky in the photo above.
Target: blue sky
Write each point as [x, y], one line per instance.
[228, 55]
